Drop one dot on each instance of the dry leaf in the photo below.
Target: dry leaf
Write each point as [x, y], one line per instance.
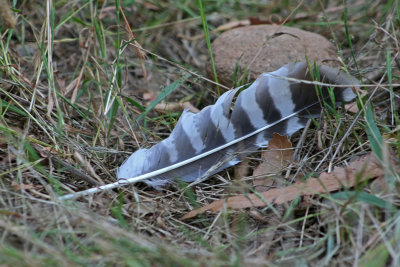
[175, 106]
[149, 97]
[232, 25]
[363, 169]
[18, 186]
[241, 170]
[352, 107]
[273, 19]
[275, 160]
[148, 6]
[190, 106]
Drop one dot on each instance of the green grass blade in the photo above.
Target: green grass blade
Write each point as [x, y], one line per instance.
[112, 115]
[73, 106]
[163, 94]
[348, 37]
[135, 103]
[365, 198]
[99, 33]
[12, 108]
[207, 36]
[374, 136]
[377, 256]
[70, 15]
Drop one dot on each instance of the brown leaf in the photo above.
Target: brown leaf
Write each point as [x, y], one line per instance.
[363, 169]
[276, 19]
[274, 161]
[241, 170]
[18, 186]
[352, 107]
[190, 106]
[149, 6]
[175, 106]
[232, 24]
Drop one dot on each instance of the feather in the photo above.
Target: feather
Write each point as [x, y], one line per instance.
[241, 121]
[271, 104]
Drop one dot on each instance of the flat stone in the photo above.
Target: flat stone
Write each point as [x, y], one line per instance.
[265, 48]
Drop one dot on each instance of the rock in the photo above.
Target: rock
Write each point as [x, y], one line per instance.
[279, 45]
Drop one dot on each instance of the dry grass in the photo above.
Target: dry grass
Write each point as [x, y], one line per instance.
[72, 87]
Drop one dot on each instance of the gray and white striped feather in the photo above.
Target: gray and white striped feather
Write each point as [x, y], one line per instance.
[240, 122]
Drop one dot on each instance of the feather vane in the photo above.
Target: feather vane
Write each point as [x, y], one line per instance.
[271, 104]
[241, 121]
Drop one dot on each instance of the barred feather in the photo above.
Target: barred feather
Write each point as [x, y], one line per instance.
[240, 122]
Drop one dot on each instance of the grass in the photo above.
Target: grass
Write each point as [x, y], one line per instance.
[75, 93]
